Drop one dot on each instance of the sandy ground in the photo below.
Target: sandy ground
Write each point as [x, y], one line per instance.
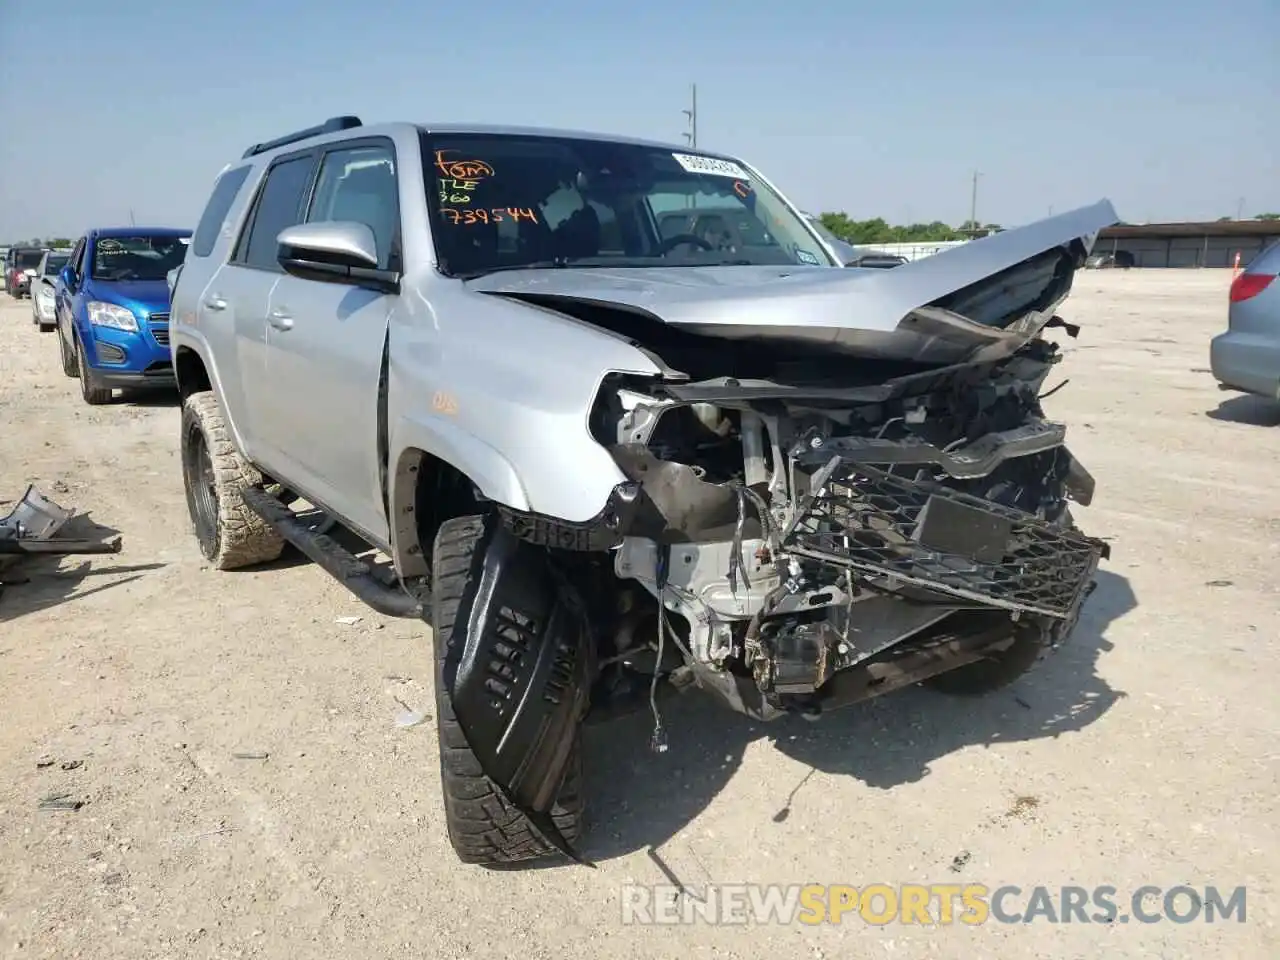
[1145, 753]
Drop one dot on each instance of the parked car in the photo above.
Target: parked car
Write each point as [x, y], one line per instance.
[878, 261]
[43, 314]
[596, 471]
[1246, 357]
[844, 251]
[1115, 260]
[19, 266]
[112, 307]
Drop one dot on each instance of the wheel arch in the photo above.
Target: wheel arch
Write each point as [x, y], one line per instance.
[425, 491]
[189, 367]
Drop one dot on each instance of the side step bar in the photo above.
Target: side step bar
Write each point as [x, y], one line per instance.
[333, 558]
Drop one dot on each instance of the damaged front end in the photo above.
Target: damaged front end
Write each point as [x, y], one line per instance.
[905, 529]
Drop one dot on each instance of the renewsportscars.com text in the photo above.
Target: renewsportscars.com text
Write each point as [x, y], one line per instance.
[934, 904]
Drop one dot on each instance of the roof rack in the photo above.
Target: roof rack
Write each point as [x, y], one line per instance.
[332, 125]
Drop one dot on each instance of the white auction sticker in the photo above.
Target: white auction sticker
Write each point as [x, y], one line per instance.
[712, 165]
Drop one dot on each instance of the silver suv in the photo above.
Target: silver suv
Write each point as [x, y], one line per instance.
[605, 414]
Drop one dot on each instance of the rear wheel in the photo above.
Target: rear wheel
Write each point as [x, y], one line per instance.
[93, 394]
[484, 828]
[229, 532]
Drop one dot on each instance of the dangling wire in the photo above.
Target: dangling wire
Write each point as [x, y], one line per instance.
[658, 742]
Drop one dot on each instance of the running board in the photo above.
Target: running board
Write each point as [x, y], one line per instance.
[339, 562]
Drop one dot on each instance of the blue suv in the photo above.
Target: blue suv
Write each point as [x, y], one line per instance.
[112, 307]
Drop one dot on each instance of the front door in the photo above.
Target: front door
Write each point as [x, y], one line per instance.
[325, 344]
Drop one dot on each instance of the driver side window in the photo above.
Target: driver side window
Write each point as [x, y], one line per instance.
[358, 183]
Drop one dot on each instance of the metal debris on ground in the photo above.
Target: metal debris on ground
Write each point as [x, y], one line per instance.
[29, 529]
[250, 755]
[59, 801]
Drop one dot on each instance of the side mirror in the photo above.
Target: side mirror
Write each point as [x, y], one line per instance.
[338, 251]
[68, 276]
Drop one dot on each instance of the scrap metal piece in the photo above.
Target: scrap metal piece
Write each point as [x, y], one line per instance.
[31, 527]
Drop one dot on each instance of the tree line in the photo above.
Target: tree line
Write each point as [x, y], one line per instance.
[879, 230]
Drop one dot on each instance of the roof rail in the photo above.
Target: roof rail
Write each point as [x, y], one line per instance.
[332, 125]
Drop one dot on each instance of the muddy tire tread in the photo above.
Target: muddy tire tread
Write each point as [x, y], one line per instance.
[244, 538]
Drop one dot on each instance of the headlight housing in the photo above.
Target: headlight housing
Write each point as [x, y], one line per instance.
[112, 315]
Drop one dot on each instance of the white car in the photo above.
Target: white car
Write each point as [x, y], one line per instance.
[42, 283]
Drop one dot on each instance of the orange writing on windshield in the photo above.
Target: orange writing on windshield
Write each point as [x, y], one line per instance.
[461, 169]
[492, 215]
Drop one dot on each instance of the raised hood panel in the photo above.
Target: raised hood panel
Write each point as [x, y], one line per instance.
[940, 308]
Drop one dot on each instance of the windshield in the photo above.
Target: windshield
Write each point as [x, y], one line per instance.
[506, 201]
[55, 263]
[28, 258]
[142, 257]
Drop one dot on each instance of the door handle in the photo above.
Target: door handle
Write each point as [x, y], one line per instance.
[280, 319]
[215, 303]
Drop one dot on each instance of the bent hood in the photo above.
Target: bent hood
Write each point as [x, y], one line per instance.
[140, 296]
[985, 297]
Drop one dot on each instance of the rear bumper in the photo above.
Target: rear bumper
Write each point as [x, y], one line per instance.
[925, 535]
[1249, 362]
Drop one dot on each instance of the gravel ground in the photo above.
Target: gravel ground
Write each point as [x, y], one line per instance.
[1144, 753]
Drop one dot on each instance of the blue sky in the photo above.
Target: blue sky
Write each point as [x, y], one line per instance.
[878, 109]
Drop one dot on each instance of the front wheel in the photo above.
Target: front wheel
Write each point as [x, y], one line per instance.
[93, 394]
[484, 828]
[230, 533]
[68, 358]
[1032, 641]
[997, 671]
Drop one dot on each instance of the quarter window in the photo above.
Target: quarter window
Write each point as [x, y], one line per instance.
[215, 211]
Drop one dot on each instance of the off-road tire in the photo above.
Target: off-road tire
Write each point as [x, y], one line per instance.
[483, 827]
[1030, 646]
[93, 395]
[68, 358]
[230, 534]
[46, 327]
[981, 677]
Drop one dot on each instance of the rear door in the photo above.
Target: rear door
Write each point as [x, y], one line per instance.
[237, 298]
[325, 342]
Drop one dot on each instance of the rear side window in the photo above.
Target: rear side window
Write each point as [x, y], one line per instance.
[279, 205]
[215, 211]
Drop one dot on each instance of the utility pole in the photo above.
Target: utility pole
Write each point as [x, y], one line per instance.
[973, 202]
[1240, 209]
[692, 133]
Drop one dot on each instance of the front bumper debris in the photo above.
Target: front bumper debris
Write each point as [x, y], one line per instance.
[926, 535]
[30, 530]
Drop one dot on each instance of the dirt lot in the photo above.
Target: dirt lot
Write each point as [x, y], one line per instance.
[1144, 753]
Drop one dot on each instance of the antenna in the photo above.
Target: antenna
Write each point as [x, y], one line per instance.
[131, 220]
